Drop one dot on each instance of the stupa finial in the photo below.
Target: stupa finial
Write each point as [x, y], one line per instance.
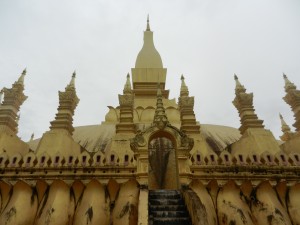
[127, 86]
[21, 78]
[284, 127]
[148, 24]
[31, 137]
[238, 86]
[288, 84]
[72, 82]
[184, 91]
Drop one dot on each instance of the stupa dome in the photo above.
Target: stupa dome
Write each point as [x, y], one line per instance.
[148, 57]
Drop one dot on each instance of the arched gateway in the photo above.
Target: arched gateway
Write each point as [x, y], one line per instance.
[161, 154]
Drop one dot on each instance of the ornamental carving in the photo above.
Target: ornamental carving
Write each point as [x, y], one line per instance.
[292, 97]
[126, 100]
[243, 99]
[187, 101]
[68, 96]
[11, 93]
[137, 141]
[185, 140]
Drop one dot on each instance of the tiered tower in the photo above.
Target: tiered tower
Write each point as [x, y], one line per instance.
[255, 139]
[292, 98]
[58, 141]
[14, 97]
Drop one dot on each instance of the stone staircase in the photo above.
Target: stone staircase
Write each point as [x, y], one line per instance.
[167, 207]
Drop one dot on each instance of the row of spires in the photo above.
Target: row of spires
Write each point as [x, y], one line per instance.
[12, 98]
[68, 100]
[244, 104]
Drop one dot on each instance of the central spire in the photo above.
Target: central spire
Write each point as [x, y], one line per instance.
[148, 57]
[148, 25]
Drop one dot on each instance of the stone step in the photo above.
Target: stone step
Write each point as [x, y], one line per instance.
[172, 221]
[164, 201]
[163, 192]
[165, 214]
[166, 208]
[167, 196]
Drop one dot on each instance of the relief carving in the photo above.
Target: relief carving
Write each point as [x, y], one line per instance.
[126, 100]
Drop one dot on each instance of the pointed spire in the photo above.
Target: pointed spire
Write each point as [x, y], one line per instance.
[244, 104]
[72, 82]
[148, 56]
[238, 86]
[288, 84]
[21, 78]
[12, 101]
[127, 86]
[284, 127]
[148, 24]
[160, 117]
[286, 130]
[184, 91]
[31, 137]
[68, 101]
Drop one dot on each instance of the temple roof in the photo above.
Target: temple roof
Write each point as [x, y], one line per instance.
[95, 137]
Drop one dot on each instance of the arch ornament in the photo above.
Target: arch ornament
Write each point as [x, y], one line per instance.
[182, 145]
[180, 138]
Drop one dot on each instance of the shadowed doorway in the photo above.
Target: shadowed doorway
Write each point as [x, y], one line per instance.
[163, 169]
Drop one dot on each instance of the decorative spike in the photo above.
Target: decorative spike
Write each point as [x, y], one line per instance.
[21, 78]
[72, 82]
[292, 98]
[32, 137]
[238, 86]
[127, 86]
[68, 101]
[148, 24]
[160, 117]
[288, 84]
[284, 127]
[184, 91]
[12, 101]
[186, 107]
[244, 104]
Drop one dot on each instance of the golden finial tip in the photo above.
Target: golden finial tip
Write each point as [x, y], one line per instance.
[148, 24]
[182, 77]
[74, 74]
[284, 75]
[24, 71]
[236, 77]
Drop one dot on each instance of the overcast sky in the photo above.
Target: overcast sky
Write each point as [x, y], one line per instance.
[207, 41]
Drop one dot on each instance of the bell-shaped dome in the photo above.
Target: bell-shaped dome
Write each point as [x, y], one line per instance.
[148, 57]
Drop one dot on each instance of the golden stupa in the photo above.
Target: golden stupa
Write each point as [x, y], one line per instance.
[150, 161]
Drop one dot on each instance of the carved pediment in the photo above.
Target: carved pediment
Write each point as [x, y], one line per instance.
[142, 137]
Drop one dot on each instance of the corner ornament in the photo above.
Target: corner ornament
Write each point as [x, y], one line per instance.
[137, 141]
[185, 140]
